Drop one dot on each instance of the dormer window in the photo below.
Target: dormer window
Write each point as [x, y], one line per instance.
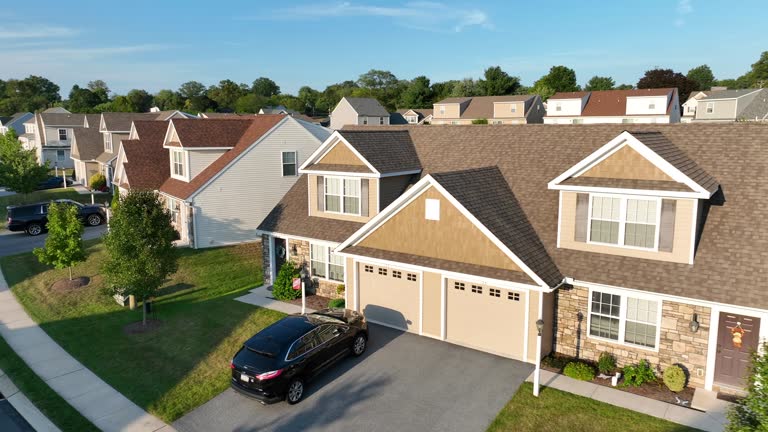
[624, 221]
[710, 107]
[177, 160]
[558, 107]
[342, 195]
[651, 106]
[62, 134]
[513, 108]
[28, 128]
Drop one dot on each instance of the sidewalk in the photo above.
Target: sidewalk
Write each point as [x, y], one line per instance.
[24, 407]
[713, 421]
[96, 400]
[261, 296]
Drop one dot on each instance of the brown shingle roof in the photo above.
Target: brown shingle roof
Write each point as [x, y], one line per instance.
[121, 121]
[148, 165]
[388, 151]
[255, 127]
[611, 102]
[733, 247]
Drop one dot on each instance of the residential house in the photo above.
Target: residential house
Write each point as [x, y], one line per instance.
[227, 174]
[87, 145]
[279, 109]
[641, 241]
[733, 105]
[358, 111]
[614, 106]
[15, 123]
[142, 161]
[689, 106]
[510, 109]
[50, 134]
[411, 116]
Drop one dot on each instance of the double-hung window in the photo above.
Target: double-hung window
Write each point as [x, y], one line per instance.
[108, 142]
[624, 221]
[381, 120]
[178, 162]
[62, 134]
[710, 107]
[342, 195]
[624, 319]
[325, 264]
[289, 163]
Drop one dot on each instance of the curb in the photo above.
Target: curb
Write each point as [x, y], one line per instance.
[24, 406]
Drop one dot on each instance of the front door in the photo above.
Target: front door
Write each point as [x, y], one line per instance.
[279, 254]
[732, 361]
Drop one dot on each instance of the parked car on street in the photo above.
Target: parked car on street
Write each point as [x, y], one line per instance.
[277, 362]
[33, 218]
[53, 182]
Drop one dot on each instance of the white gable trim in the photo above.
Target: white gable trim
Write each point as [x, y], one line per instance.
[327, 147]
[626, 139]
[169, 134]
[420, 187]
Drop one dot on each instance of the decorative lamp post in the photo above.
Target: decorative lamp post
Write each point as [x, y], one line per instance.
[303, 276]
[537, 372]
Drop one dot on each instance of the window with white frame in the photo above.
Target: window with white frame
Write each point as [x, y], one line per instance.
[513, 108]
[62, 134]
[60, 155]
[325, 264]
[342, 195]
[173, 208]
[381, 120]
[289, 163]
[624, 221]
[28, 128]
[177, 158]
[365, 120]
[412, 119]
[651, 106]
[710, 107]
[558, 107]
[108, 142]
[624, 319]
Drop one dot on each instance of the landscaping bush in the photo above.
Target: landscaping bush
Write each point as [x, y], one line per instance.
[480, 121]
[97, 182]
[580, 371]
[340, 289]
[336, 303]
[556, 361]
[751, 412]
[637, 375]
[674, 378]
[283, 286]
[606, 364]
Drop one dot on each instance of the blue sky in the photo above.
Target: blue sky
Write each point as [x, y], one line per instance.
[161, 44]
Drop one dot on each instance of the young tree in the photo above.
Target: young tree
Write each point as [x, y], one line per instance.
[600, 83]
[559, 79]
[496, 82]
[139, 244]
[64, 244]
[702, 76]
[19, 170]
[751, 413]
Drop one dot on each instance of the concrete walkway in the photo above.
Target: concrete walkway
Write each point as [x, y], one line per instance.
[96, 400]
[711, 421]
[262, 297]
[24, 407]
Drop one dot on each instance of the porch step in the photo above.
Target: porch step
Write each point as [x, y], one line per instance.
[707, 401]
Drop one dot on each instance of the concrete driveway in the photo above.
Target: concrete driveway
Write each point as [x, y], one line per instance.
[12, 243]
[402, 383]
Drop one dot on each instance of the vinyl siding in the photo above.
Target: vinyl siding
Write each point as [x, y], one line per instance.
[504, 110]
[626, 163]
[373, 191]
[230, 208]
[200, 159]
[342, 115]
[452, 111]
[722, 110]
[49, 155]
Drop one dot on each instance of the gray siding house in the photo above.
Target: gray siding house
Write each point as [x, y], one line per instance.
[733, 105]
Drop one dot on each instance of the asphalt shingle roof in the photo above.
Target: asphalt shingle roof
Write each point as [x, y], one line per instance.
[367, 107]
[388, 151]
[148, 165]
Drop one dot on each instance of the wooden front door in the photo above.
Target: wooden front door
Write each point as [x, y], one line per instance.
[732, 362]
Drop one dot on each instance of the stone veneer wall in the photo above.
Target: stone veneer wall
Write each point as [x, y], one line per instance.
[677, 344]
[321, 287]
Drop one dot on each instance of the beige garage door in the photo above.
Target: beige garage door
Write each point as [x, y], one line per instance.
[389, 296]
[486, 318]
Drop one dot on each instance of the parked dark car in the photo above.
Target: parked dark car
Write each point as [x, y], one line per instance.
[33, 218]
[277, 362]
[53, 182]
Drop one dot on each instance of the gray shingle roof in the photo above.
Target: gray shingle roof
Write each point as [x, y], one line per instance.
[485, 193]
[88, 142]
[121, 122]
[754, 107]
[367, 107]
[727, 94]
[52, 119]
[388, 151]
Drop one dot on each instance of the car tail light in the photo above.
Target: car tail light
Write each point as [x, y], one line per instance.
[231, 365]
[269, 375]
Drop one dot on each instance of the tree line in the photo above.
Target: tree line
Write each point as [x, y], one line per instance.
[34, 93]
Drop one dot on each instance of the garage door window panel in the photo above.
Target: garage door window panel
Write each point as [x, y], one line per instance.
[624, 319]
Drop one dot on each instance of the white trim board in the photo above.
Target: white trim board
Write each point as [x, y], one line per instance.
[326, 147]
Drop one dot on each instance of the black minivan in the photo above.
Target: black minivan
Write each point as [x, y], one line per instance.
[277, 362]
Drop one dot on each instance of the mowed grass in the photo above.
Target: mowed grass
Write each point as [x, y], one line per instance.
[175, 368]
[43, 195]
[557, 411]
[36, 390]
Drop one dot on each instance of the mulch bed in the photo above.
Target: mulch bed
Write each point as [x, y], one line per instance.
[314, 301]
[139, 328]
[65, 285]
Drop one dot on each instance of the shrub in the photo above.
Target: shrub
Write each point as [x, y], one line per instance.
[637, 375]
[480, 121]
[283, 286]
[556, 361]
[340, 289]
[606, 364]
[115, 199]
[751, 412]
[97, 181]
[674, 378]
[336, 303]
[580, 371]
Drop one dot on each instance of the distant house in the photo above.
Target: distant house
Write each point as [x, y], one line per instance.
[50, 135]
[142, 161]
[15, 122]
[279, 109]
[87, 145]
[510, 109]
[225, 175]
[358, 111]
[733, 105]
[411, 116]
[614, 106]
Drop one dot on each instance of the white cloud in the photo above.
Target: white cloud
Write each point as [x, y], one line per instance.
[81, 53]
[36, 32]
[427, 16]
[684, 7]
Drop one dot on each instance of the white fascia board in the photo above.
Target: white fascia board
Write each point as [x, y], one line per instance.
[644, 192]
[325, 148]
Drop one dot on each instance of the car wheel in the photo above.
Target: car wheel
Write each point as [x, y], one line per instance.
[34, 229]
[94, 220]
[295, 391]
[359, 345]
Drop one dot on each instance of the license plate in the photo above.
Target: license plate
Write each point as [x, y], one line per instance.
[244, 377]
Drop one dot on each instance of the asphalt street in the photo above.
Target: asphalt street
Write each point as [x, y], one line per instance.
[10, 420]
[12, 243]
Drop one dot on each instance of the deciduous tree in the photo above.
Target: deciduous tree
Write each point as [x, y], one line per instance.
[64, 244]
[559, 79]
[702, 76]
[418, 94]
[265, 87]
[664, 78]
[600, 83]
[496, 82]
[19, 170]
[226, 94]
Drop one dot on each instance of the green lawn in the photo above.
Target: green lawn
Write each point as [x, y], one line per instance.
[557, 411]
[36, 390]
[175, 368]
[44, 195]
